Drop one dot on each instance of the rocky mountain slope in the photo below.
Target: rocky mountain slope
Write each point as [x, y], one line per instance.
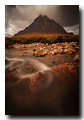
[42, 25]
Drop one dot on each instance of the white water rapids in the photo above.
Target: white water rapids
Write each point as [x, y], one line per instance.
[28, 61]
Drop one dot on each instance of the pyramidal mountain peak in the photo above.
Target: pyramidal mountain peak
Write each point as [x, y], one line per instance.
[42, 25]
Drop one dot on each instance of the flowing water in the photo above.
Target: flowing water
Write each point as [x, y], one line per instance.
[52, 94]
[25, 66]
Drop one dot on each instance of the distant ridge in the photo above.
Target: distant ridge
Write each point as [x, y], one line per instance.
[70, 33]
[42, 25]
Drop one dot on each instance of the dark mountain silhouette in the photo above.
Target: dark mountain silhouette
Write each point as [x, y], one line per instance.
[42, 25]
[71, 33]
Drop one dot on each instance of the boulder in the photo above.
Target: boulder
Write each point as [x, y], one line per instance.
[76, 59]
[21, 53]
[54, 52]
[77, 48]
[65, 51]
[39, 53]
[71, 52]
[61, 51]
[34, 49]
[6, 61]
[27, 70]
[36, 82]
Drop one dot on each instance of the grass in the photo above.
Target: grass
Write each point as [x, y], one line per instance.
[50, 39]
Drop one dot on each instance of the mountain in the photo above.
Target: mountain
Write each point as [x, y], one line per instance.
[42, 25]
[71, 33]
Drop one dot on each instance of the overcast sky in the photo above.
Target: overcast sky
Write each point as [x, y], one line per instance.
[17, 17]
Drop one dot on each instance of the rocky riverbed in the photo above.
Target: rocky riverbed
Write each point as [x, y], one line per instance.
[42, 79]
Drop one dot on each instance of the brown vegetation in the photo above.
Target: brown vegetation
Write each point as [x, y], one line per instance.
[45, 38]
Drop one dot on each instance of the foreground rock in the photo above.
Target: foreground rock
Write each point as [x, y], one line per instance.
[76, 59]
[51, 92]
[40, 49]
[39, 53]
[27, 70]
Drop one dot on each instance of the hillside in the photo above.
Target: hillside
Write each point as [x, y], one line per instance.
[42, 25]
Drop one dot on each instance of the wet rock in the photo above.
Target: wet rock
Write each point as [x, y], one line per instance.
[77, 48]
[6, 61]
[68, 45]
[36, 82]
[27, 70]
[34, 49]
[45, 52]
[67, 69]
[76, 59]
[10, 78]
[53, 61]
[71, 52]
[65, 51]
[76, 43]
[54, 52]
[14, 66]
[37, 77]
[21, 53]
[46, 44]
[41, 48]
[39, 53]
[21, 85]
[16, 45]
[55, 47]
[41, 81]
[11, 46]
[61, 51]
[73, 45]
[17, 63]
[37, 44]
[52, 45]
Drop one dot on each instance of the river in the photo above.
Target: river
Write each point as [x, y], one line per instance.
[32, 87]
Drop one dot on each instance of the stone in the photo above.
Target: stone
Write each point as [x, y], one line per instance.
[76, 43]
[77, 48]
[61, 51]
[76, 59]
[34, 49]
[51, 48]
[65, 51]
[27, 70]
[6, 61]
[55, 47]
[36, 82]
[46, 44]
[41, 48]
[10, 77]
[21, 53]
[52, 45]
[54, 52]
[45, 52]
[37, 77]
[73, 45]
[39, 53]
[68, 45]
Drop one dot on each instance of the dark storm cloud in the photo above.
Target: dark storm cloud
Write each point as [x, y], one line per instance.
[11, 6]
[20, 16]
[69, 15]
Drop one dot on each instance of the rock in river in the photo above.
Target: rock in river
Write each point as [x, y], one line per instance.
[39, 53]
[76, 59]
[27, 70]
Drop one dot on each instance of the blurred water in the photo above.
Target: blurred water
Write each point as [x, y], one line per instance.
[24, 61]
[61, 96]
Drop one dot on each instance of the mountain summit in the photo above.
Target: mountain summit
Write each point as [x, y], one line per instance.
[42, 25]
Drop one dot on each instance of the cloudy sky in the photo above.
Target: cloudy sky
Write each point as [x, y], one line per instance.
[17, 17]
